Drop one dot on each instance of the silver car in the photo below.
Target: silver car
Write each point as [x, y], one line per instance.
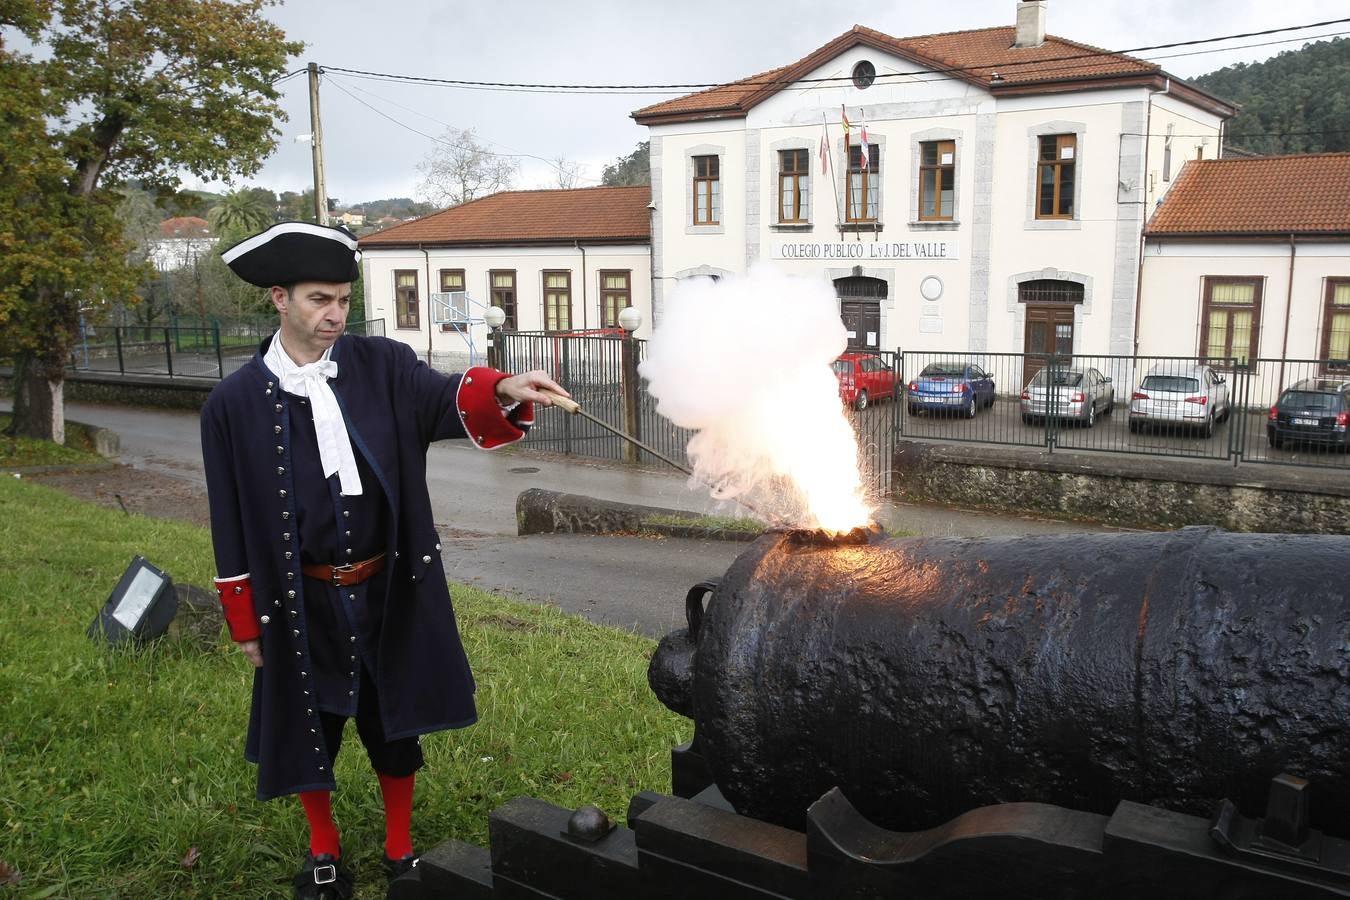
[1180, 393]
[1068, 393]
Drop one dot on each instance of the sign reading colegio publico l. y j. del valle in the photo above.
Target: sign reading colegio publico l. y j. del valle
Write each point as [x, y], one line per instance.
[866, 250]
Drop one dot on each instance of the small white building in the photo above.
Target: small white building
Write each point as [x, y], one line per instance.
[553, 260]
[1249, 258]
[182, 241]
[997, 203]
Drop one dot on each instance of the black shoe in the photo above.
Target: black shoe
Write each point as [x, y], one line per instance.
[396, 867]
[323, 877]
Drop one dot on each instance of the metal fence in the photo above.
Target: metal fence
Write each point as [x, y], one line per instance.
[1205, 409]
[1188, 407]
[592, 369]
[179, 350]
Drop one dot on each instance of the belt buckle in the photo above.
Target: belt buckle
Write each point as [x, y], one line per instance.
[339, 571]
[329, 874]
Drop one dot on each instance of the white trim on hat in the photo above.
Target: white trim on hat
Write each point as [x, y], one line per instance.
[323, 231]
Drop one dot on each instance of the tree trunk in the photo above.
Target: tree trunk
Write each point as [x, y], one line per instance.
[39, 409]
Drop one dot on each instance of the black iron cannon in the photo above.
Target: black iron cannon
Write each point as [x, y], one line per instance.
[928, 677]
[1087, 716]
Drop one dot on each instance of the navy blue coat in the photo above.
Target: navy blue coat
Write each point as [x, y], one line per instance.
[394, 406]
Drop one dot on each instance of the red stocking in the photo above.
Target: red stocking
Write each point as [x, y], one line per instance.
[398, 795]
[323, 833]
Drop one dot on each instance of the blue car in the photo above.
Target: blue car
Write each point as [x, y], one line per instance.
[952, 386]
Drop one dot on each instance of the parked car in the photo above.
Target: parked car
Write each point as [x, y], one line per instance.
[1315, 410]
[1068, 393]
[865, 378]
[953, 386]
[1180, 393]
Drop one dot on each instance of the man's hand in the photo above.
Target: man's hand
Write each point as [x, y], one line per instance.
[533, 386]
[253, 650]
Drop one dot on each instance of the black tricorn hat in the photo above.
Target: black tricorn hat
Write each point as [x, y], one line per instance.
[289, 252]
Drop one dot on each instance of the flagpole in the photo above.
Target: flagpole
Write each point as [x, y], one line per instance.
[834, 183]
[867, 164]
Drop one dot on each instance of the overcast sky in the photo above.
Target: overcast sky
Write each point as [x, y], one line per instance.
[371, 156]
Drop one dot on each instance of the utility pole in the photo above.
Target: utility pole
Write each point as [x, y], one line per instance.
[316, 145]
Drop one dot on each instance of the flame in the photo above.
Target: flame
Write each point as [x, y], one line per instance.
[772, 433]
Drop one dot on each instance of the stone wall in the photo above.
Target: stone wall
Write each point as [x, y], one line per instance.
[1139, 492]
[129, 390]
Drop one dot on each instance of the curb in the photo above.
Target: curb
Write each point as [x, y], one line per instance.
[52, 470]
[540, 511]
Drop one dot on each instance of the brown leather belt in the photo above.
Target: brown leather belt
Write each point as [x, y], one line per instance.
[345, 576]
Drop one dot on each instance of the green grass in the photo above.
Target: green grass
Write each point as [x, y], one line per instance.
[113, 763]
[19, 452]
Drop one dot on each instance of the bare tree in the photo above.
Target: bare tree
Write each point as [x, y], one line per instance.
[569, 173]
[461, 169]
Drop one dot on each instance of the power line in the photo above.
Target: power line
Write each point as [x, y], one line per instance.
[753, 82]
[514, 155]
[1306, 37]
[288, 77]
[1091, 61]
[444, 142]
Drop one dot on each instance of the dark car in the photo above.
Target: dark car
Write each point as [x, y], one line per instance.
[864, 379]
[954, 386]
[1314, 411]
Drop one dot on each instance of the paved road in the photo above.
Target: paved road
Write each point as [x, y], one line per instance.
[632, 582]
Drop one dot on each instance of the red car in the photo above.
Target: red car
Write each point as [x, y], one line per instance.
[864, 379]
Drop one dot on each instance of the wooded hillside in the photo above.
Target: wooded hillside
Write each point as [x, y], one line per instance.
[1297, 102]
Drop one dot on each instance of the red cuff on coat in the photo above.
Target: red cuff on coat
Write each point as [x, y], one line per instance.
[236, 599]
[484, 420]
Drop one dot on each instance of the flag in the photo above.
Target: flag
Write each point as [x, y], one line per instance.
[824, 145]
[844, 112]
[862, 136]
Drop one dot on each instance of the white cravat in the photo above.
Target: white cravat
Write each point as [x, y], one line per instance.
[311, 380]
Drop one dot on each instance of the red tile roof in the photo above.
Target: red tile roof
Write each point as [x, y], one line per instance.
[613, 214]
[985, 57]
[1263, 195]
[184, 227]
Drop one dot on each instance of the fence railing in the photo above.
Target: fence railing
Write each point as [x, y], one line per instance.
[179, 350]
[1216, 409]
[600, 372]
[1199, 408]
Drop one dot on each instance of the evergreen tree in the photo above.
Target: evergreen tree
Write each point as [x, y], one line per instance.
[635, 168]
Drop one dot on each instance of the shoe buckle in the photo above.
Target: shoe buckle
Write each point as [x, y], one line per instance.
[326, 874]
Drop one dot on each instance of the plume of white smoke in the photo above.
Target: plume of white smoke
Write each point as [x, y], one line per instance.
[746, 362]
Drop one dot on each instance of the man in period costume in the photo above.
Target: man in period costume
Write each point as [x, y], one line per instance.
[329, 565]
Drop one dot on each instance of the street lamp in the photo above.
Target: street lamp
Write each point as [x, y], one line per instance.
[495, 318]
[630, 320]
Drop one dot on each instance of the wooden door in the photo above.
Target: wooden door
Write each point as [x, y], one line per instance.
[1049, 332]
[862, 321]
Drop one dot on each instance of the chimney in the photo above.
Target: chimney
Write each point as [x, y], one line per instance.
[1030, 23]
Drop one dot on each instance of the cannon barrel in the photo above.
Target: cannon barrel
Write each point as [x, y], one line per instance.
[928, 677]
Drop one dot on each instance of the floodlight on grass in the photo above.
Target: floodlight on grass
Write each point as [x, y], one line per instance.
[140, 607]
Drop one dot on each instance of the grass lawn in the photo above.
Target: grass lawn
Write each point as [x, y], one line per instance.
[115, 763]
[18, 452]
